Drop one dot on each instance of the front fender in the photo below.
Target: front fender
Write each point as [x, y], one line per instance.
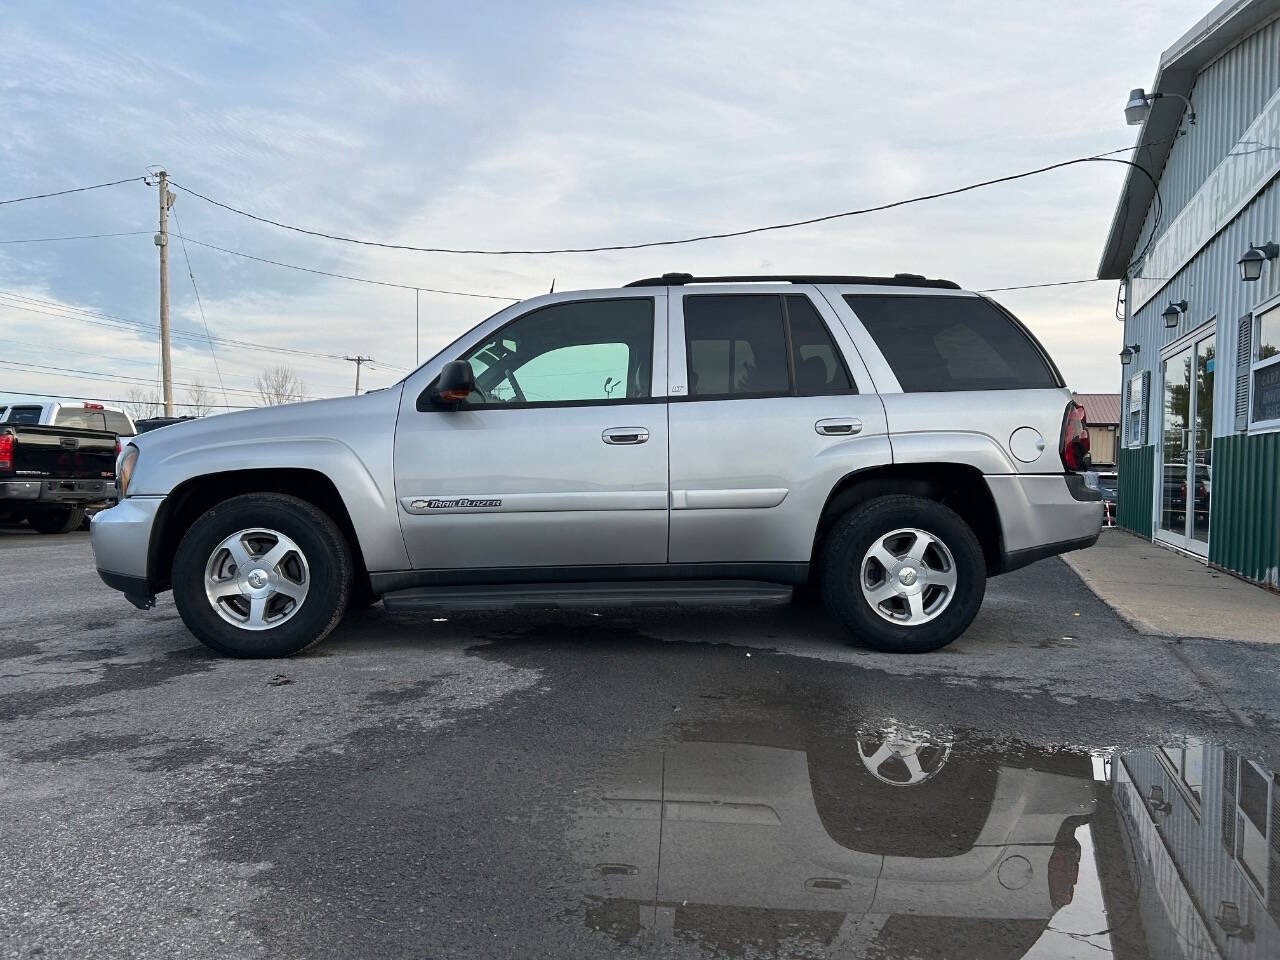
[370, 504]
[350, 440]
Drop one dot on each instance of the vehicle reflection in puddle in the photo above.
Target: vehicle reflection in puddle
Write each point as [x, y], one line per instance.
[905, 844]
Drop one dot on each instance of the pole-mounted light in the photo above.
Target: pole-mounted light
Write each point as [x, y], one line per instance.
[1139, 106]
[1255, 258]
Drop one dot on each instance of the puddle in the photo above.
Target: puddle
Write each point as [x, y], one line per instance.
[901, 843]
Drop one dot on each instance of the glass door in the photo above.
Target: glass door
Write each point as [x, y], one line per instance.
[1186, 446]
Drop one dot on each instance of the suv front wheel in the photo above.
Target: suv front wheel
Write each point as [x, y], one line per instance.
[262, 575]
[903, 574]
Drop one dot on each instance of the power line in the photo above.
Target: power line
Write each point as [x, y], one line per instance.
[346, 276]
[191, 273]
[60, 193]
[83, 236]
[60, 348]
[116, 321]
[1093, 158]
[114, 377]
[1034, 286]
[113, 400]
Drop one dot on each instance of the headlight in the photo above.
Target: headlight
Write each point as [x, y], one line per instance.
[124, 469]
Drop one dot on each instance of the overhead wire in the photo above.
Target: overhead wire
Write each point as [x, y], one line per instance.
[1106, 157]
[346, 276]
[114, 400]
[62, 193]
[82, 236]
[200, 304]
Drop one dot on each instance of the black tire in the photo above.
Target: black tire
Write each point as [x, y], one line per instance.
[853, 535]
[56, 520]
[318, 539]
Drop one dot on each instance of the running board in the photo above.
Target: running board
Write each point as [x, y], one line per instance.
[643, 593]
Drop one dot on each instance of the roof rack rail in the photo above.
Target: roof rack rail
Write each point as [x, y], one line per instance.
[897, 280]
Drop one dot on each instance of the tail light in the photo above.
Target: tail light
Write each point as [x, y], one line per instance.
[6, 451]
[1074, 445]
[1064, 871]
[118, 447]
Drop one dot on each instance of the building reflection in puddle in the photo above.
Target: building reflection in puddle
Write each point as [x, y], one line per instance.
[906, 845]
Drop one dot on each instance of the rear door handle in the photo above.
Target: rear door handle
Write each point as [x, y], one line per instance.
[838, 428]
[625, 435]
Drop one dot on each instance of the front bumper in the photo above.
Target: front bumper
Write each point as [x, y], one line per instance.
[58, 491]
[121, 539]
[1042, 515]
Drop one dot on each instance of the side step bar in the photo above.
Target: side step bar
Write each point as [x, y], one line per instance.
[642, 593]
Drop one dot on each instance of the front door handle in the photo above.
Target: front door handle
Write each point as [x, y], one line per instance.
[625, 435]
[838, 428]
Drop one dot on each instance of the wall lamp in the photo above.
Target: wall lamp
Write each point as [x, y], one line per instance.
[1126, 355]
[1229, 919]
[1174, 313]
[1255, 258]
[1157, 803]
[1139, 105]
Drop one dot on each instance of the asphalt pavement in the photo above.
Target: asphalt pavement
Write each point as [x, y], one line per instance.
[674, 782]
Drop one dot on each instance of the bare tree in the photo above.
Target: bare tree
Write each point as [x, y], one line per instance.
[199, 399]
[143, 403]
[278, 385]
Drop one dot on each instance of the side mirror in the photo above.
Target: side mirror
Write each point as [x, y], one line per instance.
[455, 383]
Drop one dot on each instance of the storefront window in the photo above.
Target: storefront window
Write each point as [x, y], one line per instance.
[1266, 369]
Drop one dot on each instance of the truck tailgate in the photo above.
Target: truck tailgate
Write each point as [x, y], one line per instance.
[63, 453]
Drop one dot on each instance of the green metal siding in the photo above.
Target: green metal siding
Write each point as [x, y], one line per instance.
[1136, 470]
[1244, 526]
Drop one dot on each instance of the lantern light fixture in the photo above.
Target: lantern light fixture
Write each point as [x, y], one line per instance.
[1255, 258]
[1174, 313]
[1127, 354]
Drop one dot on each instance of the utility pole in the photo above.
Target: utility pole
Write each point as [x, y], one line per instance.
[162, 241]
[416, 336]
[359, 362]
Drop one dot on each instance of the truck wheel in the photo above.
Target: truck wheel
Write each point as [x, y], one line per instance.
[262, 575]
[57, 520]
[903, 574]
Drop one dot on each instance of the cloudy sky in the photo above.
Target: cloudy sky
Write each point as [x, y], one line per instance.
[538, 125]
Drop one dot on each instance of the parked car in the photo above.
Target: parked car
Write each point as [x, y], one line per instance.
[49, 476]
[893, 845]
[84, 416]
[891, 442]
[1109, 487]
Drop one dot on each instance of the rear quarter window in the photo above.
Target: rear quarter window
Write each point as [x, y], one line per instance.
[936, 344]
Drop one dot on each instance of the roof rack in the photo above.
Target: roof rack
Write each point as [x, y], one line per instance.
[897, 280]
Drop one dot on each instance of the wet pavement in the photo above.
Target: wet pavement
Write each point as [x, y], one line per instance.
[701, 783]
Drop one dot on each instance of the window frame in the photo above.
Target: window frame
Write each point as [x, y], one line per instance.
[496, 334]
[1271, 305]
[791, 391]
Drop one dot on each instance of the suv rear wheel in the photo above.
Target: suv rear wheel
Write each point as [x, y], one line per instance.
[903, 574]
[262, 575]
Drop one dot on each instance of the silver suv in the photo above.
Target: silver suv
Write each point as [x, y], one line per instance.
[887, 442]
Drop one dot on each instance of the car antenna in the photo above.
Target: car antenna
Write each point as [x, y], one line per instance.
[553, 285]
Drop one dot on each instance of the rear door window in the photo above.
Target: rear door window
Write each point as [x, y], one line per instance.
[759, 345]
[953, 343]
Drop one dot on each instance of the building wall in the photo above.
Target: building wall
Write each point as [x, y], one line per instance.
[1228, 95]
[1102, 443]
[1199, 839]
